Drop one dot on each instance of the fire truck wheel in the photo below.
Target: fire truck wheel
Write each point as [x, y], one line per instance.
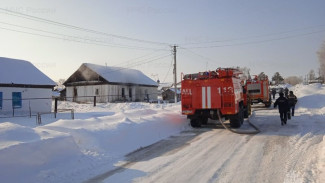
[236, 120]
[268, 104]
[241, 114]
[246, 113]
[241, 118]
[195, 122]
[204, 120]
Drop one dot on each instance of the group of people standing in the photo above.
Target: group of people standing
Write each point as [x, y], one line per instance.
[286, 105]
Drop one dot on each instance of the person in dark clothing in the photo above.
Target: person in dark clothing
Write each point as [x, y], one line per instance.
[286, 92]
[282, 102]
[292, 100]
[273, 92]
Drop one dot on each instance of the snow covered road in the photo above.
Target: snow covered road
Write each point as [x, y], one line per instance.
[141, 142]
[277, 154]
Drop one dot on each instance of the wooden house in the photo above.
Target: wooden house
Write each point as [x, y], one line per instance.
[109, 84]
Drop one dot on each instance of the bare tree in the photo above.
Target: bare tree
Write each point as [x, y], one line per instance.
[311, 75]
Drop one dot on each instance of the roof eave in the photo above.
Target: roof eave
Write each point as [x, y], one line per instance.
[26, 85]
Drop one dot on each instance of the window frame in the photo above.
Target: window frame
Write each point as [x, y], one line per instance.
[17, 100]
[123, 92]
[1, 99]
[130, 92]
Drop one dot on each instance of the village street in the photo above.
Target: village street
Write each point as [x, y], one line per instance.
[125, 91]
[277, 154]
[142, 142]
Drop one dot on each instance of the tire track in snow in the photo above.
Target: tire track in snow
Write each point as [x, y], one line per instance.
[196, 160]
[222, 172]
[277, 154]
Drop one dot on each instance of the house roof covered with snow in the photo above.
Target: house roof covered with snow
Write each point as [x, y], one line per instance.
[92, 72]
[15, 72]
[173, 90]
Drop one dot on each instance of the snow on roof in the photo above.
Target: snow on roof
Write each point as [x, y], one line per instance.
[164, 85]
[121, 75]
[173, 90]
[13, 71]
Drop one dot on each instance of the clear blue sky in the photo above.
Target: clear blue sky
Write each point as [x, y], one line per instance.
[263, 35]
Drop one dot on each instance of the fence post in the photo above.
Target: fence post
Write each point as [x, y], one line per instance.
[30, 110]
[94, 101]
[55, 106]
[39, 119]
[72, 113]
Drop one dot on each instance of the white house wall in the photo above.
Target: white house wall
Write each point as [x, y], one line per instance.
[142, 92]
[87, 93]
[110, 93]
[34, 100]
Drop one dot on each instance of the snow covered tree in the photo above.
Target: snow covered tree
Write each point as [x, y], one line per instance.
[277, 78]
[60, 85]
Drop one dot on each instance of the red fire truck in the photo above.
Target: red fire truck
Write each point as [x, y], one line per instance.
[213, 94]
[259, 91]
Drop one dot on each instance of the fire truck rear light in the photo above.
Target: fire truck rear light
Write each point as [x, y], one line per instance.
[227, 104]
[187, 112]
[187, 106]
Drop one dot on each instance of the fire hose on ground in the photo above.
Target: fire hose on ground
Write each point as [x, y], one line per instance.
[238, 131]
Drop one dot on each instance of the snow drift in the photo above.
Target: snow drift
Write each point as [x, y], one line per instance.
[65, 150]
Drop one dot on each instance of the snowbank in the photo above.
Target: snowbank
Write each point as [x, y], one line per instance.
[98, 137]
[310, 98]
[65, 150]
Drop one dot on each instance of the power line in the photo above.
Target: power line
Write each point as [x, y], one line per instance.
[134, 64]
[137, 64]
[256, 36]
[34, 18]
[258, 42]
[64, 35]
[171, 65]
[194, 53]
[140, 62]
[127, 61]
[79, 41]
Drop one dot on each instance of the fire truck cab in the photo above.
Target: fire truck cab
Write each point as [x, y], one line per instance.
[205, 94]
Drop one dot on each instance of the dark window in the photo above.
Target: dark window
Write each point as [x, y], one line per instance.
[97, 91]
[0, 100]
[75, 92]
[146, 95]
[130, 92]
[16, 99]
[254, 91]
[123, 92]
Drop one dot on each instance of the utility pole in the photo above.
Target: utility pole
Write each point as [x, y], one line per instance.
[175, 74]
